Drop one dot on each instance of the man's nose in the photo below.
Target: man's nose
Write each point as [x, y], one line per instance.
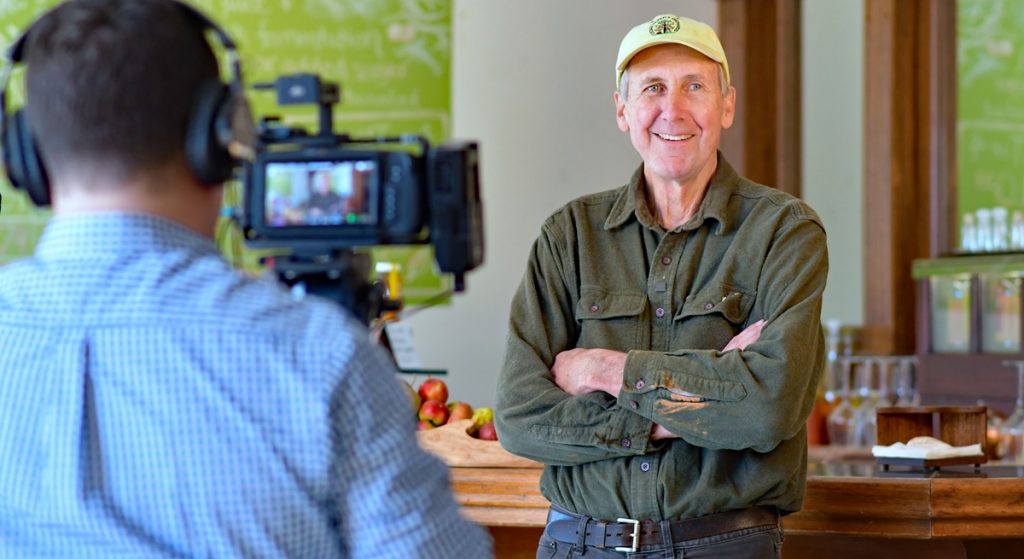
[675, 104]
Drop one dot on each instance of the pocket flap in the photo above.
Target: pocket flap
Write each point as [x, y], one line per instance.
[597, 302]
[729, 301]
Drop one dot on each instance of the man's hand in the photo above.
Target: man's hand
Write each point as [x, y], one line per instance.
[749, 335]
[658, 433]
[582, 371]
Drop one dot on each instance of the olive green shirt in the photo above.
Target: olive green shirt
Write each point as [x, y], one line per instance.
[605, 274]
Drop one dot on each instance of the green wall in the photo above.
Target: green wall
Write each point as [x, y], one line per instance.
[392, 59]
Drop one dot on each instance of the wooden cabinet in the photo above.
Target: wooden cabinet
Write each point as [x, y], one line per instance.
[969, 312]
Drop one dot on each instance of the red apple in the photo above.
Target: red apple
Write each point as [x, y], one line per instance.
[459, 410]
[433, 412]
[423, 425]
[487, 432]
[434, 389]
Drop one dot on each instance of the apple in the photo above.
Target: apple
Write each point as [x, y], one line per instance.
[487, 432]
[434, 412]
[459, 410]
[434, 389]
[481, 416]
[423, 425]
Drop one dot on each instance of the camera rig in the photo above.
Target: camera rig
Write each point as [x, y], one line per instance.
[320, 196]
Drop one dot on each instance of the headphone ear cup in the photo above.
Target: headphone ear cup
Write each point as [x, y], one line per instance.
[208, 159]
[25, 168]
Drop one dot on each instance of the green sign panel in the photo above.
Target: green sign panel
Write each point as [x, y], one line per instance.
[990, 105]
[391, 58]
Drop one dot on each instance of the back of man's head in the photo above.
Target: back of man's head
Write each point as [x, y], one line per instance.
[111, 85]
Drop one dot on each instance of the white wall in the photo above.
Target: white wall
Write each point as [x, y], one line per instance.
[833, 144]
[532, 81]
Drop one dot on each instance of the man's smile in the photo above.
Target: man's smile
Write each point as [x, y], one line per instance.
[673, 137]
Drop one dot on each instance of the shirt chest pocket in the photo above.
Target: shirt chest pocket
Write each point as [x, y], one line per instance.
[609, 319]
[711, 317]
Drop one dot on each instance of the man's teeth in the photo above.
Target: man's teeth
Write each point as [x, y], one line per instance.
[674, 138]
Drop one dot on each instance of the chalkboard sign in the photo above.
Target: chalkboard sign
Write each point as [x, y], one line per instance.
[392, 59]
[990, 112]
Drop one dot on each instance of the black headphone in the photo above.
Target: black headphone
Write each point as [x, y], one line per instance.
[220, 128]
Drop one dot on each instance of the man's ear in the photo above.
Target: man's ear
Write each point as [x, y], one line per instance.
[620, 112]
[729, 108]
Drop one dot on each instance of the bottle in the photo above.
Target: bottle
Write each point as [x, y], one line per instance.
[968, 234]
[1017, 231]
[983, 233]
[1000, 242]
[827, 395]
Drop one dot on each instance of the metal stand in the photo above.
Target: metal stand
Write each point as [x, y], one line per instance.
[341, 277]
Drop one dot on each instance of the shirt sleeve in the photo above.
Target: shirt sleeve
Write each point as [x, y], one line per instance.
[392, 499]
[757, 397]
[534, 417]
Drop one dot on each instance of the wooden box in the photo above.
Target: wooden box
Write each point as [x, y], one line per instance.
[456, 448]
[956, 425]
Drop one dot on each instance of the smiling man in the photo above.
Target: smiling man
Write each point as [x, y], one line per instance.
[665, 342]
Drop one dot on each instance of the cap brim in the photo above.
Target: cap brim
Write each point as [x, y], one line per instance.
[629, 57]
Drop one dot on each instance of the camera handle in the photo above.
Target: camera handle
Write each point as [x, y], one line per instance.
[340, 277]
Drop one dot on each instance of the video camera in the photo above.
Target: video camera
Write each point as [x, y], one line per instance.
[322, 195]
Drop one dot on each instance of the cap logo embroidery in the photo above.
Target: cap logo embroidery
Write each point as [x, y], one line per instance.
[663, 25]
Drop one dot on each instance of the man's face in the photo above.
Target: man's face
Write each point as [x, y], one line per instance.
[675, 112]
[323, 182]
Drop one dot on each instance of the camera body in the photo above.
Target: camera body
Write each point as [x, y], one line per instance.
[322, 193]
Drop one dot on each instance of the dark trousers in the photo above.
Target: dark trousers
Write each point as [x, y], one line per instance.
[750, 543]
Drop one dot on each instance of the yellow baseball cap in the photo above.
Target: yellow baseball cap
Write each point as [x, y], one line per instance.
[667, 29]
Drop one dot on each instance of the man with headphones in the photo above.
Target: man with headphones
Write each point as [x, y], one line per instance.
[155, 401]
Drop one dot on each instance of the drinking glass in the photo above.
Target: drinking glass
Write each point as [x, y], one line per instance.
[840, 421]
[885, 367]
[906, 392]
[865, 387]
[1012, 430]
[830, 381]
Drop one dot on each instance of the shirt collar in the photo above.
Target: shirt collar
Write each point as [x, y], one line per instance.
[89, 236]
[632, 202]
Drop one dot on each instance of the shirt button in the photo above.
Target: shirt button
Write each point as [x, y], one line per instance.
[633, 404]
[709, 306]
[626, 442]
[659, 312]
[645, 466]
[640, 384]
[666, 260]
[594, 308]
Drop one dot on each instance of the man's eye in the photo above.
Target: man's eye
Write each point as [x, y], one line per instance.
[653, 88]
[695, 87]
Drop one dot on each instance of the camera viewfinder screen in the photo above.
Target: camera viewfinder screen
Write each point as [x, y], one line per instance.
[320, 193]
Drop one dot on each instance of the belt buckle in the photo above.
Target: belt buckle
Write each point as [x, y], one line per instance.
[636, 534]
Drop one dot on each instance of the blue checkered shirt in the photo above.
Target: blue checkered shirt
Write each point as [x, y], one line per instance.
[156, 403]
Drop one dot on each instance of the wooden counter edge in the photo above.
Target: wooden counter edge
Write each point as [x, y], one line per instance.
[908, 508]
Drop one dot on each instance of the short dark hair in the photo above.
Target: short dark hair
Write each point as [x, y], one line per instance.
[112, 82]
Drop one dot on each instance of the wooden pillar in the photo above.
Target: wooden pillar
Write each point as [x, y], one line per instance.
[762, 40]
[909, 157]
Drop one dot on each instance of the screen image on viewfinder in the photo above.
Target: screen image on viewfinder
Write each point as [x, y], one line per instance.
[320, 193]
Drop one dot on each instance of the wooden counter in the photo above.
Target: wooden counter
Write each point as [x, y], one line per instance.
[849, 510]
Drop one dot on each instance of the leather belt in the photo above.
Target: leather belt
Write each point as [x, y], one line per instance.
[563, 526]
